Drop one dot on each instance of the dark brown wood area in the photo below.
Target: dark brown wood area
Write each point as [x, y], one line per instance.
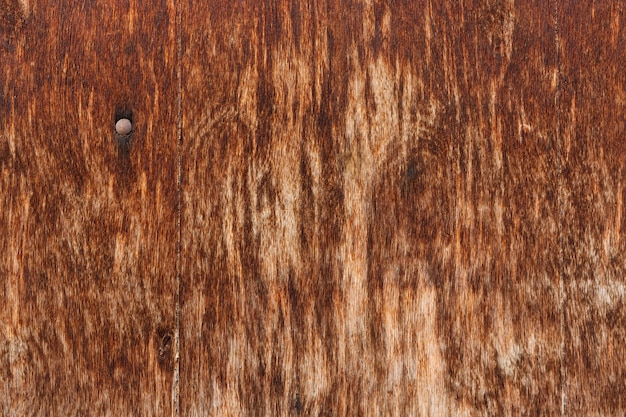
[88, 243]
[591, 105]
[326, 208]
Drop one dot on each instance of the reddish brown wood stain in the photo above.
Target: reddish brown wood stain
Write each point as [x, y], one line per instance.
[87, 261]
[591, 118]
[387, 208]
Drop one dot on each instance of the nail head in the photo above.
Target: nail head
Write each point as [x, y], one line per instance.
[123, 127]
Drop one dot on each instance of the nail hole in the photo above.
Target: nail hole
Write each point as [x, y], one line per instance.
[166, 344]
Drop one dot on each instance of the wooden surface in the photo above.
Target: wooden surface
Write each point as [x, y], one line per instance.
[409, 208]
[88, 247]
[591, 105]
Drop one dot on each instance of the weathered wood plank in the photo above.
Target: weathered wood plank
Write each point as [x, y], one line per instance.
[592, 102]
[87, 242]
[370, 220]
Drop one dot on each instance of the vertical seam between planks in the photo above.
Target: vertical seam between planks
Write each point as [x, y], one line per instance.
[562, 295]
[179, 141]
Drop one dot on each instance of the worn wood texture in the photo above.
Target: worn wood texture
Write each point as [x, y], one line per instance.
[592, 102]
[87, 246]
[386, 208]
[370, 220]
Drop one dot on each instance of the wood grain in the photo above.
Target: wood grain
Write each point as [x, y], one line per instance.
[386, 208]
[591, 117]
[87, 247]
[370, 215]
